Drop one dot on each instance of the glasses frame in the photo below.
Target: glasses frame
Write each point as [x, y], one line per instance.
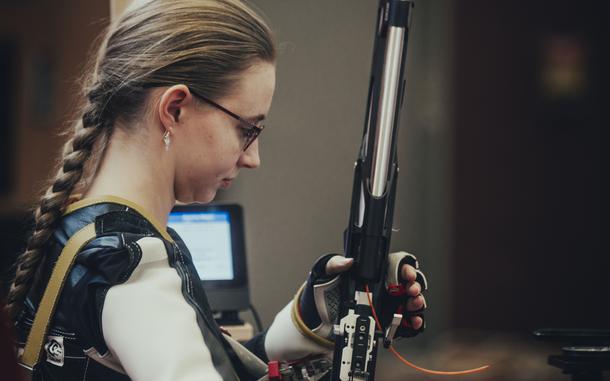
[254, 130]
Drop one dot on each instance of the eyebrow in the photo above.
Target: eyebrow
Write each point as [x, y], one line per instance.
[258, 118]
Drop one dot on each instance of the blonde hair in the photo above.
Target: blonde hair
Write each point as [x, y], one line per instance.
[204, 44]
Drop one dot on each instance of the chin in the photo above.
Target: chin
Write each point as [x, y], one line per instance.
[205, 197]
[202, 197]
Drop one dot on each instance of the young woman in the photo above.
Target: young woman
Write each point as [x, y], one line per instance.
[172, 110]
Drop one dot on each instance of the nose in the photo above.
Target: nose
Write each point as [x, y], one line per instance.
[249, 158]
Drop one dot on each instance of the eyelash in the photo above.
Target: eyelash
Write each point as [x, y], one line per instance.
[246, 131]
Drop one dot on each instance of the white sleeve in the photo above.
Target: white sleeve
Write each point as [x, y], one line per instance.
[285, 342]
[149, 326]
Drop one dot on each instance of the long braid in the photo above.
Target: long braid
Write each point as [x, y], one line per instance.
[77, 150]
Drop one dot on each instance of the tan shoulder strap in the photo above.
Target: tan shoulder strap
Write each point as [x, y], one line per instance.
[36, 338]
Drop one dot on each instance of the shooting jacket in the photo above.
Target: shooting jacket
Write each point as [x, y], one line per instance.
[132, 306]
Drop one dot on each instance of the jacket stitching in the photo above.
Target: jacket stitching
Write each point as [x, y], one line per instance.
[75, 357]
[186, 274]
[134, 259]
[67, 335]
[86, 369]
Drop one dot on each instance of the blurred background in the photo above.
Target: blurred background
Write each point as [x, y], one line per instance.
[500, 188]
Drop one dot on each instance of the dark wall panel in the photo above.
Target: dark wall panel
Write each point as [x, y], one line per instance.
[7, 112]
[528, 165]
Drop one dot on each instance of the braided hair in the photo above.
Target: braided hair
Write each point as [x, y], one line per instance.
[204, 44]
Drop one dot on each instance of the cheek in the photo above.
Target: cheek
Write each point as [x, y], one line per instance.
[206, 166]
[221, 156]
[206, 157]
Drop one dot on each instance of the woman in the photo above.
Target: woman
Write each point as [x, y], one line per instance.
[173, 108]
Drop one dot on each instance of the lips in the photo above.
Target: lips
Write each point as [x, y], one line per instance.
[226, 182]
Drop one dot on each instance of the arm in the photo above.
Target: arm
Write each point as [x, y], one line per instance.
[285, 342]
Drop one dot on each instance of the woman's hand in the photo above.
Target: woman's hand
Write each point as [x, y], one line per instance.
[408, 277]
[316, 304]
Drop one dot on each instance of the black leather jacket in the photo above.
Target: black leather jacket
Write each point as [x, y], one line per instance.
[76, 347]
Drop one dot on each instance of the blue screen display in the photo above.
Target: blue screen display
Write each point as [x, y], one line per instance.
[208, 237]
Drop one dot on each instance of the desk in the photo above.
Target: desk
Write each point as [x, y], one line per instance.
[241, 332]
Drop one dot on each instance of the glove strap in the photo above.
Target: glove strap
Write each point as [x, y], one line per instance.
[302, 327]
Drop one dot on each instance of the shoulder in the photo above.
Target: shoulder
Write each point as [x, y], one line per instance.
[115, 256]
[118, 237]
[117, 241]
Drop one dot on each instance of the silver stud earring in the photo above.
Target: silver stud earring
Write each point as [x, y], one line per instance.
[166, 140]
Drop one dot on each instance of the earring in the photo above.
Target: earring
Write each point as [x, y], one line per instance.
[166, 140]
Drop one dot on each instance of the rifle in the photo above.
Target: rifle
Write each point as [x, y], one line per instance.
[367, 237]
[369, 230]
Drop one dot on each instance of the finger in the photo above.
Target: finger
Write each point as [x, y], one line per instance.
[416, 304]
[338, 264]
[408, 273]
[416, 322]
[413, 289]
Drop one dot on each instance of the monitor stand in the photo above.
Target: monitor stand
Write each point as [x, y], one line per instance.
[234, 326]
[228, 318]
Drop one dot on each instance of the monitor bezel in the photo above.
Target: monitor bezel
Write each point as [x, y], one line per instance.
[238, 238]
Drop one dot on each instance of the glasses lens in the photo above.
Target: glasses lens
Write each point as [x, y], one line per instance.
[251, 135]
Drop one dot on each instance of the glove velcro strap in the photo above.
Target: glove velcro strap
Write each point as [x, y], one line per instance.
[302, 327]
[421, 279]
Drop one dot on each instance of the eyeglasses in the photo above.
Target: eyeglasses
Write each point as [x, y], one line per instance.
[250, 131]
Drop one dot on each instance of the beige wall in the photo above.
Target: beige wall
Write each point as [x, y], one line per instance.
[297, 203]
[117, 7]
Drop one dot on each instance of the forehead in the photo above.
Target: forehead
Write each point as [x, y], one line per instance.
[254, 91]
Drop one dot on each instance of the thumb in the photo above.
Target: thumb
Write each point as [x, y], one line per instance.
[338, 264]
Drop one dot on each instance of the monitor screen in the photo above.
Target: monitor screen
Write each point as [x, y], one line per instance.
[208, 237]
[214, 235]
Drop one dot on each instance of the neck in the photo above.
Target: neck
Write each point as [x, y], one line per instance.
[132, 170]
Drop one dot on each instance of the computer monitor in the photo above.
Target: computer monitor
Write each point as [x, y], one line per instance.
[214, 234]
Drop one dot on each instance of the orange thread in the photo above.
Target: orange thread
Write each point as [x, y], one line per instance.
[407, 362]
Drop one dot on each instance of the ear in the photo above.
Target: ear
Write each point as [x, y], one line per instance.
[172, 104]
